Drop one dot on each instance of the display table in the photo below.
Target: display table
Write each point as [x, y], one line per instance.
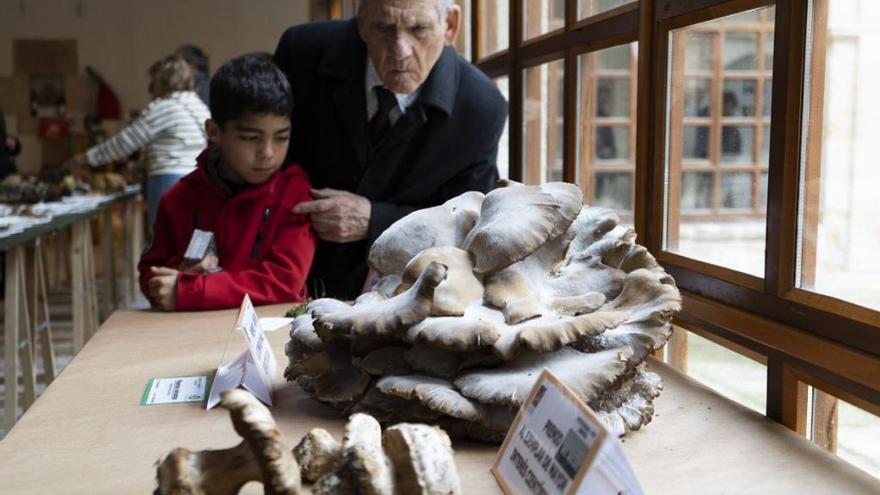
[26, 315]
[88, 434]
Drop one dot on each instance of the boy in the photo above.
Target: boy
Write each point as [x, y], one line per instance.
[240, 192]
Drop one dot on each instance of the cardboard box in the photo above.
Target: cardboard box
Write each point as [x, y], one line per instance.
[45, 57]
[11, 122]
[81, 94]
[31, 158]
[15, 96]
[55, 151]
[28, 125]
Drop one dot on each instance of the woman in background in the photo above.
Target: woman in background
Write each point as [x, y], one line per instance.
[171, 130]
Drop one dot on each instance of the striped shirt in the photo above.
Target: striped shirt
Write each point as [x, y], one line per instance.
[172, 129]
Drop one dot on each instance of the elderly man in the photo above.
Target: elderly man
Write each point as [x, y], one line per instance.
[387, 119]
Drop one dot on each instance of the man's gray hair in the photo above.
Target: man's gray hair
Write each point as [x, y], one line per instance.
[443, 7]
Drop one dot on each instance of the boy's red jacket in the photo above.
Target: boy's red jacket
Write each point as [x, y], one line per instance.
[265, 250]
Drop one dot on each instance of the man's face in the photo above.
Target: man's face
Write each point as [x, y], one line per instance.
[254, 147]
[405, 38]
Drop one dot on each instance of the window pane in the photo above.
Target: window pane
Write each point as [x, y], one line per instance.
[542, 16]
[737, 144]
[839, 221]
[695, 142]
[696, 190]
[740, 51]
[612, 143]
[463, 42]
[612, 97]
[606, 115]
[698, 51]
[739, 97]
[613, 190]
[858, 437]
[615, 58]
[762, 191]
[494, 26]
[765, 145]
[503, 146]
[727, 372]
[715, 160]
[696, 97]
[587, 8]
[768, 96]
[736, 190]
[542, 122]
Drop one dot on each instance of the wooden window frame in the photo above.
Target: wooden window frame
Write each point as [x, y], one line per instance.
[804, 337]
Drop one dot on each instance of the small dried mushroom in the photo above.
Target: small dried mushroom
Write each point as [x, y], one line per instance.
[476, 297]
[405, 459]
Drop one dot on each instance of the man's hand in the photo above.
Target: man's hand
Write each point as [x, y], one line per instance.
[206, 265]
[337, 216]
[163, 287]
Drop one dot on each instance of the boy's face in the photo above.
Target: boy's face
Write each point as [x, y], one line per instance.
[254, 146]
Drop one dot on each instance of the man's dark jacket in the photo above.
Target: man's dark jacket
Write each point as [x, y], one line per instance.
[445, 144]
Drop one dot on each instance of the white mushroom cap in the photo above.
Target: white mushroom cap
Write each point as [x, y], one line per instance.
[516, 221]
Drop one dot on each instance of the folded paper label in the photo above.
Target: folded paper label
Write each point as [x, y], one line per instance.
[557, 445]
[175, 390]
[254, 368]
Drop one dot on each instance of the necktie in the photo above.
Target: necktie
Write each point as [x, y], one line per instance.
[381, 121]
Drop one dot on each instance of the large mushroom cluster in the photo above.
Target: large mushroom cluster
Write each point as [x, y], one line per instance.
[476, 297]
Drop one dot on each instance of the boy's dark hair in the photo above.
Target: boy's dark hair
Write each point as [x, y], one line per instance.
[194, 56]
[249, 84]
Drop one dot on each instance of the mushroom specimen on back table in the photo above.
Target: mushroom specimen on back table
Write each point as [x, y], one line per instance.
[476, 297]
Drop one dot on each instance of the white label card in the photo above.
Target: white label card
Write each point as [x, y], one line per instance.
[254, 368]
[557, 445]
[175, 390]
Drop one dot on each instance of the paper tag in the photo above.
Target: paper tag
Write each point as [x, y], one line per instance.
[253, 369]
[557, 445]
[175, 390]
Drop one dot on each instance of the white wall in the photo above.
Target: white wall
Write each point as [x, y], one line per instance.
[121, 38]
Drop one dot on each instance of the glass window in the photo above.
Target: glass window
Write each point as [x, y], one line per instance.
[839, 228]
[612, 143]
[494, 26]
[613, 190]
[606, 114]
[768, 96]
[719, 137]
[736, 190]
[615, 58]
[737, 144]
[612, 97]
[696, 97]
[695, 142]
[696, 190]
[740, 50]
[698, 51]
[587, 8]
[542, 16]
[543, 111]
[858, 437]
[765, 145]
[727, 372]
[463, 42]
[503, 143]
[738, 98]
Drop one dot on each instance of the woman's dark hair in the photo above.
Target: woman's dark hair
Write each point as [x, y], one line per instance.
[247, 85]
[194, 56]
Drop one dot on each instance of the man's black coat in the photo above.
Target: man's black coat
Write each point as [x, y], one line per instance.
[445, 144]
